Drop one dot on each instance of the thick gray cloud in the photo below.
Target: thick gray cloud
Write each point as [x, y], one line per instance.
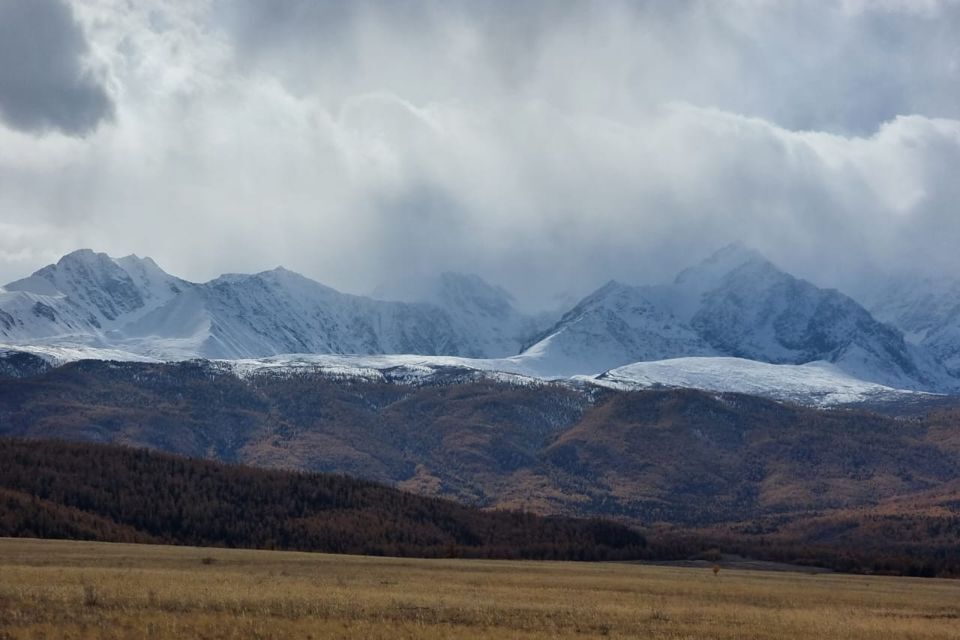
[546, 145]
[844, 67]
[43, 83]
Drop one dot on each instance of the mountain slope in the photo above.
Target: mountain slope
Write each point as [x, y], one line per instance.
[280, 311]
[758, 312]
[926, 310]
[678, 456]
[615, 325]
[816, 383]
[483, 313]
[90, 299]
[736, 303]
[86, 293]
[54, 489]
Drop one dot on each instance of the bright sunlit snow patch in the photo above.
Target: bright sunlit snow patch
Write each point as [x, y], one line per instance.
[815, 383]
[405, 369]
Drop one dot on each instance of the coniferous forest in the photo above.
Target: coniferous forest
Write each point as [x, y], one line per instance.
[84, 491]
[51, 489]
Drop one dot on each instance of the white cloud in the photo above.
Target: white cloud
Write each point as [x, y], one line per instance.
[547, 146]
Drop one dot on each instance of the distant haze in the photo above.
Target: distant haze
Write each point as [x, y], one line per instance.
[546, 145]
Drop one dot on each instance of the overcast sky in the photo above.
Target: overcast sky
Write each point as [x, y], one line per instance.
[546, 145]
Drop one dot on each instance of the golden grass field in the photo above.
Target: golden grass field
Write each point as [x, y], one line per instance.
[63, 590]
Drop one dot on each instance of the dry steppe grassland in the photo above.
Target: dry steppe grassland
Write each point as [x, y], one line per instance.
[72, 590]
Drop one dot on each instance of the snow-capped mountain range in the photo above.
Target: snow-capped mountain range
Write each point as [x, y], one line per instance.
[91, 300]
[737, 303]
[734, 312]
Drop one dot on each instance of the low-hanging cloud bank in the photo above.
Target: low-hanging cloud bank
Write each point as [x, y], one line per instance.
[545, 145]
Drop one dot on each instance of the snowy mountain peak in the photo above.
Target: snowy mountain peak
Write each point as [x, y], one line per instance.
[91, 300]
[613, 292]
[470, 291]
[733, 262]
[295, 285]
[82, 259]
[709, 272]
[84, 296]
[96, 281]
[281, 271]
[615, 325]
[278, 275]
[483, 313]
[447, 288]
[84, 256]
[133, 261]
[733, 255]
[281, 274]
[736, 303]
[611, 287]
[154, 283]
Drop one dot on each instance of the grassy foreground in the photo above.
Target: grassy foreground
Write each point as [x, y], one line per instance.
[54, 589]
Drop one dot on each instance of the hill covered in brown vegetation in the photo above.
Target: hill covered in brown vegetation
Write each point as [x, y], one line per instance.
[729, 467]
[52, 489]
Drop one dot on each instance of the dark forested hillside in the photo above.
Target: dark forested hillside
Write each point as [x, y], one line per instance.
[83, 491]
